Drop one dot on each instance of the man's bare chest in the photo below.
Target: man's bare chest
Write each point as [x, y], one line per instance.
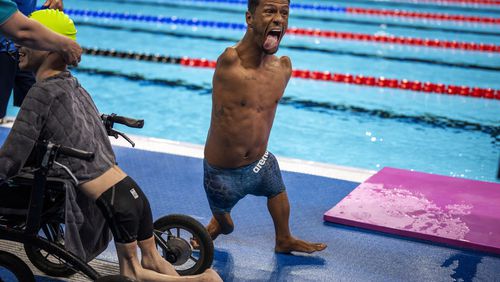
[265, 83]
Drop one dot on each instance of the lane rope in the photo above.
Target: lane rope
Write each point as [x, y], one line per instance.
[375, 12]
[462, 2]
[297, 47]
[382, 82]
[421, 42]
[442, 3]
[310, 105]
[427, 16]
[327, 18]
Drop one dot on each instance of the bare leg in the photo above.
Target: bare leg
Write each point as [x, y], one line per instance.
[221, 223]
[279, 208]
[130, 267]
[152, 260]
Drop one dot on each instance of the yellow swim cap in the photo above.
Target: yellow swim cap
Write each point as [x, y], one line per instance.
[56, 21]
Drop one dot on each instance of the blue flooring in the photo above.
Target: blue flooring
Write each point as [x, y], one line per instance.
[174, 185]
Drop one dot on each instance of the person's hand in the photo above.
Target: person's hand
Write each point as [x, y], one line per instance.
[54, 4]
[71, 52]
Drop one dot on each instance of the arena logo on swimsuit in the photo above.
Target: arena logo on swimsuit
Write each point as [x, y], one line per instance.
[134, 193]
[261, 162]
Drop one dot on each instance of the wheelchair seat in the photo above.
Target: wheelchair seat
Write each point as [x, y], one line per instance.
[15, 197]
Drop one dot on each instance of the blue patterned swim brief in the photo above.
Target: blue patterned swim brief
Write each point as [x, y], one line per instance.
[225, 187]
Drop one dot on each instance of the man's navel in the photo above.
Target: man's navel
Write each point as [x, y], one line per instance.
[247, 155]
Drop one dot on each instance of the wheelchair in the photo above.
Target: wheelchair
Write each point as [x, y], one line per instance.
[32, 213]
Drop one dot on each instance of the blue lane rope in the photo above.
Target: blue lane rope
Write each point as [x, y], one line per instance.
[154, 19]
[297, 6]
[292, 30]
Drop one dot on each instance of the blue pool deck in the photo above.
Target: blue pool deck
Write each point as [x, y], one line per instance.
[170, 173]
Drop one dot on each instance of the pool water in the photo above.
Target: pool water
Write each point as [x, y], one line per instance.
[349, 125]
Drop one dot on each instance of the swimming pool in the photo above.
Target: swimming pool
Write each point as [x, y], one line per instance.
[350, 125]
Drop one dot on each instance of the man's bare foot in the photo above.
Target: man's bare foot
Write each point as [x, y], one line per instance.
[296, 245]
[194, 243]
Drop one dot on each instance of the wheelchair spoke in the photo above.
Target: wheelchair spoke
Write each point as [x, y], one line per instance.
[162, 243]
[48, 234]
[51, 257]
[167, 232]
[193, 259]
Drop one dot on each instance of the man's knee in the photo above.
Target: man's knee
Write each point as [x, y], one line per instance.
[224, 222]
[226, 229]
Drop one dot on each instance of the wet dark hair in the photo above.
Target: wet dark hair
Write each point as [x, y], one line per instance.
[252, 5]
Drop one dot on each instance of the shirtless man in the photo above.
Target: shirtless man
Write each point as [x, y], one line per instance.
[248, 83]
[58, 109]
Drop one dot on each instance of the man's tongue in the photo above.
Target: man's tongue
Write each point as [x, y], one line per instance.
[271, 42]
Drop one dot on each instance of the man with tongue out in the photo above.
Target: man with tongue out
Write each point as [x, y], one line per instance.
[248, 83]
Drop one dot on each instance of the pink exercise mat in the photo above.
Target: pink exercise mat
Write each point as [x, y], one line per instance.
[455, 211]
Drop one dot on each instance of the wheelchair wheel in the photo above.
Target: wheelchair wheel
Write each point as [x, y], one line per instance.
[12, 268]
[174, 236]
[48, 263]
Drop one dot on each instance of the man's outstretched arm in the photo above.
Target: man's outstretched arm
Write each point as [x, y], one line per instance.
[32, 34]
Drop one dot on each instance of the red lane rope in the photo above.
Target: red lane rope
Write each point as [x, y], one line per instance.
[383, 82]
[426, 42]
[470, 46]
[418, 15]
[479, 2]
[404, 84]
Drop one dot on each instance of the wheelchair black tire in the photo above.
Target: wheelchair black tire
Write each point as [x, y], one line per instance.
[16, 266]
[206, 245]
[48, 267]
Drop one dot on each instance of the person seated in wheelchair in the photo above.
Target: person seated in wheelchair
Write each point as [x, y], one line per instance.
[57, 108]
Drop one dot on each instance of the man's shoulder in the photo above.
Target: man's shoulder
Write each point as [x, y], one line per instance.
[285, 61]
[38, 98]
[286, 64]
[228, 57]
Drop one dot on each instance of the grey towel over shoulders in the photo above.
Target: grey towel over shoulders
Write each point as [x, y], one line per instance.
[59, 110]
[86, 231]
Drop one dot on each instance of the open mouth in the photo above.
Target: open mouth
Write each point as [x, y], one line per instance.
[276, 32]
[273, 38]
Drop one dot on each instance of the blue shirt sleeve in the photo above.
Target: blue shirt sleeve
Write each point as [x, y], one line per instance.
[7, 9]
[26, 6]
